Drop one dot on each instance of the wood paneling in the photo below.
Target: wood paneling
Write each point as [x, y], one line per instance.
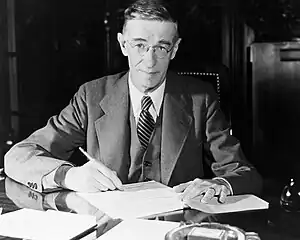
[4, 81]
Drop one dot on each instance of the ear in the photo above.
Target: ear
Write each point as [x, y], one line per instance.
[175, 48]
[121, 41]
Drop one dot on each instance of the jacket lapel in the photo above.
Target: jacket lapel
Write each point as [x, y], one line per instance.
[176, 124]
[113, 130]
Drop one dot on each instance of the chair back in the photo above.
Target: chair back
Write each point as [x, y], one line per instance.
[210, 77]
[220, 86]
[222, 89]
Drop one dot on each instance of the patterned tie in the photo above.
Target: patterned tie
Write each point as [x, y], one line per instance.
[146, 123]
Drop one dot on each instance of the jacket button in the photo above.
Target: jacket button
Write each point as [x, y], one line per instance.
[147, 164]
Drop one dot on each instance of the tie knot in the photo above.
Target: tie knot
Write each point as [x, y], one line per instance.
[146, 103]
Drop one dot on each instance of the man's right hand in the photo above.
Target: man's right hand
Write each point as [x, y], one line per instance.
[93, 176]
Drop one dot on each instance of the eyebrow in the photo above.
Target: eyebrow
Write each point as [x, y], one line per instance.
[139, 40]
[165, 42]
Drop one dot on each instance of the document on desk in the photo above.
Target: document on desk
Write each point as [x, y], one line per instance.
[138, 200]
[49, 225]
[137, 229]
[235, 203]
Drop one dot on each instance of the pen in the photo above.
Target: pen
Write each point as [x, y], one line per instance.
[88, 156]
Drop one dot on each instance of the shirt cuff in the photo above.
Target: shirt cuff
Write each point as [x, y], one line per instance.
[60, 175]
[49, 201]
[48, 181]
[52, 180]
[226, 182]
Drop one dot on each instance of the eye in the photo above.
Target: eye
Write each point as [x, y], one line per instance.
[162, 48]
[140, 45]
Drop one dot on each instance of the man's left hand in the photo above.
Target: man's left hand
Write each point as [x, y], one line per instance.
[205, 189]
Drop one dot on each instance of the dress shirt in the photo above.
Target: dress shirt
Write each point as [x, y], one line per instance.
[136, 99]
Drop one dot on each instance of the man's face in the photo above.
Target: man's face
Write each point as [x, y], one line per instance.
[148, 70]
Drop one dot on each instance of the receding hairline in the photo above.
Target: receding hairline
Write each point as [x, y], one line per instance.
[151, 10]
[176, 35]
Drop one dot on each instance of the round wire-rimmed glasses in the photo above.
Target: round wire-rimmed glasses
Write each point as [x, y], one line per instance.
[142, 48]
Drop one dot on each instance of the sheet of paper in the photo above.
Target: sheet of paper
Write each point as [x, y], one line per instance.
[133, 187]
[137, 229]
[233, 204]
[37, 225]
[136, 201]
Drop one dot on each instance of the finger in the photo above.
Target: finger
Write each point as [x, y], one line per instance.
[223, 194]
[95, 186]
[217, 188]
[193, 190]
[181, 187]
[104, 175]
[210, 193]
[92, 189]
[100, 187]
[111, 175]
[116, 180]
[190, 192]
[102, 182]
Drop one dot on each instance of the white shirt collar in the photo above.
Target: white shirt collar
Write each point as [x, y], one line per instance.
[136, 97]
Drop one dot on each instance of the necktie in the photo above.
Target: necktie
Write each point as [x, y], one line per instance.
[146, 122]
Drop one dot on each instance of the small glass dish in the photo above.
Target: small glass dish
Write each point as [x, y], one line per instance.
[227, 232]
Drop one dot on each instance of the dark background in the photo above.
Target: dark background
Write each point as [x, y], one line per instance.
[63, 44]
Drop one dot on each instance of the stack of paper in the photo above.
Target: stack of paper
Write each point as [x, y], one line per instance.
[141, 200]
[36, 225]
[136, 201]
[232, 204]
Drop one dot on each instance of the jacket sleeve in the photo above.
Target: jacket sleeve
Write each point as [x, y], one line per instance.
[229, 160]
[49, 147]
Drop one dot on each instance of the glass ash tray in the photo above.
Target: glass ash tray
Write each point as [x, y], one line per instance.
[209, 231]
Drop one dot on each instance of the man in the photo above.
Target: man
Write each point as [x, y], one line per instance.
[147, 123]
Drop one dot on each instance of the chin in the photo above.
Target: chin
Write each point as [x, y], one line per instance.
[150, 87]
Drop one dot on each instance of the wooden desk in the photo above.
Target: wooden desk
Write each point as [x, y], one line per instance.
[273, 223]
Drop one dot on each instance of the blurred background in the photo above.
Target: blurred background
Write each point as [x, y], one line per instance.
[48, 48]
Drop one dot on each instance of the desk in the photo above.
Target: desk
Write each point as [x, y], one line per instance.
[273, 223]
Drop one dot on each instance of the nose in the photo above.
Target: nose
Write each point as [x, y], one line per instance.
[150, 58]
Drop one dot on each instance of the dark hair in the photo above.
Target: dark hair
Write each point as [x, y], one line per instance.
[158, 10]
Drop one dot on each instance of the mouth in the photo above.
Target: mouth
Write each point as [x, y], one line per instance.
[149, 72]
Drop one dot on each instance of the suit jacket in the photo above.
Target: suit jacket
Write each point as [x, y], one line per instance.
[97, 116]
[24, 197]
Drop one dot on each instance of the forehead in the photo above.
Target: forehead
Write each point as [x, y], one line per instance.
[150, 30]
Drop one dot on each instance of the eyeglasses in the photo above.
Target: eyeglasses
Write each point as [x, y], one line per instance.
[142, 49]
